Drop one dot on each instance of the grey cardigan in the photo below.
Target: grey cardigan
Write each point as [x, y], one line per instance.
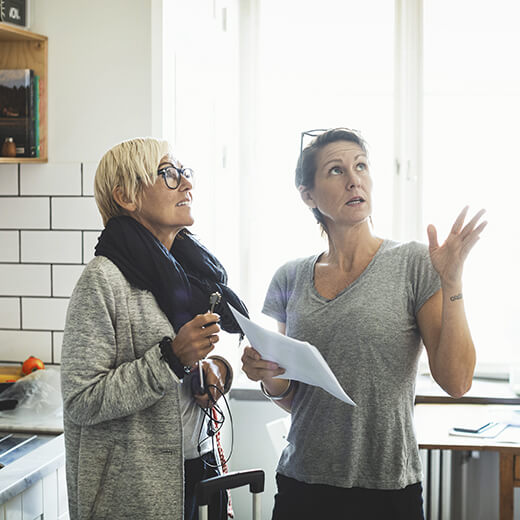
[122, 419]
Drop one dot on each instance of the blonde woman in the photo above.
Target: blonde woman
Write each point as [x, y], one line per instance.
[137, 323]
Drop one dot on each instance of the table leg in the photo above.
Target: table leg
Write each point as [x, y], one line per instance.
[506, 486]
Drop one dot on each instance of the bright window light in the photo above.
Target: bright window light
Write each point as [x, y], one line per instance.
[471, 114]
[320, 65]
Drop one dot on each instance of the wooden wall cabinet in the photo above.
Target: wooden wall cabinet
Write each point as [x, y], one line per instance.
[20, 49]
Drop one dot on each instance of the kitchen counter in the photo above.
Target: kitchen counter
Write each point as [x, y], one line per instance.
[47, 424]
[41, 412]
[21, 474]
[45, 462]
[483, 391]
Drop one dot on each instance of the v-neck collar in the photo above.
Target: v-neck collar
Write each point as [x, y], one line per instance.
[380, 249]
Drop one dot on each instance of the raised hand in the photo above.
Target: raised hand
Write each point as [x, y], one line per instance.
[448, 259]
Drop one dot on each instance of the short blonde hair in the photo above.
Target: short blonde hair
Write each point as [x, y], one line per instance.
[131, 165]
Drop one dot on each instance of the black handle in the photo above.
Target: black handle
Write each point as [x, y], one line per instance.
[205, 488]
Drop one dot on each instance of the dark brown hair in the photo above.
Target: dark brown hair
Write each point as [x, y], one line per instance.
[306, 167]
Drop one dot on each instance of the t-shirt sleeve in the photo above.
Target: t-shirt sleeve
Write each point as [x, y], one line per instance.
[275, 303]
[424, 278]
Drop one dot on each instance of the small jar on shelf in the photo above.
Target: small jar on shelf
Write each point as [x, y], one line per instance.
[9, 147]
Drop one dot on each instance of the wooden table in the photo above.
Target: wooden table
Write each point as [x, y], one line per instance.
[432, 423]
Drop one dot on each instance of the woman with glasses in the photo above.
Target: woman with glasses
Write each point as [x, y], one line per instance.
[367, 304]
[136, 434]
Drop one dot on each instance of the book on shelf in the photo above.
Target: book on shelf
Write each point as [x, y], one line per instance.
[36, 115]
[43, 115]
[14, 12]
[17, 117]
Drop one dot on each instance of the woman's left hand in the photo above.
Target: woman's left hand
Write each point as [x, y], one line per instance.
[215, 372]
[448, 259]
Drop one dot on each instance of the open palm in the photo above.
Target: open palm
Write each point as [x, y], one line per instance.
[448, 259]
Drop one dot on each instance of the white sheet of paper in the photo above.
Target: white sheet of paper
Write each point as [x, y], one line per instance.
[510, 435]
[301, 360]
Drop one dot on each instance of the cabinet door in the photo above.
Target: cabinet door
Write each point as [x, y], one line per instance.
[32, 502]
[13, 508]
[50, 496]
[63, 502]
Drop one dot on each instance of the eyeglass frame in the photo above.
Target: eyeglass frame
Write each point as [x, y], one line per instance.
[318, 131]
[180, 171]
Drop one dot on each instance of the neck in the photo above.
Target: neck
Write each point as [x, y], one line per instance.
[347, 246]
[165, 235]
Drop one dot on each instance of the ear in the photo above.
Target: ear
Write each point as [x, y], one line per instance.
[122, 201]
[306, 196]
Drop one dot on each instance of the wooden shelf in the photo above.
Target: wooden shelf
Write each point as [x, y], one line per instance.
[20, 49]
[16, 160]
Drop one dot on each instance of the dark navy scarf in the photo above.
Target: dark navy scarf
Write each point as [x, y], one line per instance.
[181, 279]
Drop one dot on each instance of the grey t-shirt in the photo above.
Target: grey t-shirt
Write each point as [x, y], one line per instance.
[368, 335]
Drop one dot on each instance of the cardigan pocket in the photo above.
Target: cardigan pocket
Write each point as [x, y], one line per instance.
[108, 484]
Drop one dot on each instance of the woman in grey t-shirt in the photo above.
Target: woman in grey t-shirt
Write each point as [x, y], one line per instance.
[367, 304]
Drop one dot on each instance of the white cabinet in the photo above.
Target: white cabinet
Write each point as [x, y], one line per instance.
[44, 500]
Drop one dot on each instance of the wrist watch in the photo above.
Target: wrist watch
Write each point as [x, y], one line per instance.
[173, 361]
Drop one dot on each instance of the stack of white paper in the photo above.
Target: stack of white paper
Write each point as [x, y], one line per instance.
[301, 360]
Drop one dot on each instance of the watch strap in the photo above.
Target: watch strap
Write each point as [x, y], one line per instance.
[173, 361]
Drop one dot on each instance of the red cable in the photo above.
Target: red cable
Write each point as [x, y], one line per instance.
[223, 463]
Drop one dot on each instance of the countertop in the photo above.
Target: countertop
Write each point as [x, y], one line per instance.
[483, 391]
[13, 421]
[40, 406]
[27, 470]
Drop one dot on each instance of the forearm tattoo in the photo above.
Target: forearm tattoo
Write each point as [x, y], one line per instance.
[456, 297]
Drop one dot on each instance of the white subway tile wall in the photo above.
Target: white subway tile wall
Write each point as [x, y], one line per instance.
[24, 213]
[49, 224]
[89, 171]
[51, 246]
[8, 179]
[18, 345]
[44, 313]
[64, 278]
[57, 340]
[10, 245]
[90, 239]
[75, 213]
[25, 280]
[50, 179]
[10, 313]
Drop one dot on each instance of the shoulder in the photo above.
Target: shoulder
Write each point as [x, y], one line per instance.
[293, 268]
[101, 275]
[406, 250]
[102, 267]
[417, 248]
[404, 247]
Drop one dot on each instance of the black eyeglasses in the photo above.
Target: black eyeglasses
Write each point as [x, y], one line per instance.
[318, 131]
[172, 175]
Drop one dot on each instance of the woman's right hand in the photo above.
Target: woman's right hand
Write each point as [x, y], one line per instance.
[258, 369]
[196, 338]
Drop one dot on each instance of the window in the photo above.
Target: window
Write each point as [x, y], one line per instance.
[471, 112]
[432, 84]
[319, 65]
[448, 69]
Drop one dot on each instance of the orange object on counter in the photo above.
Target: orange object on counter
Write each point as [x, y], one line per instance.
[10, 373]
[31, 364]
